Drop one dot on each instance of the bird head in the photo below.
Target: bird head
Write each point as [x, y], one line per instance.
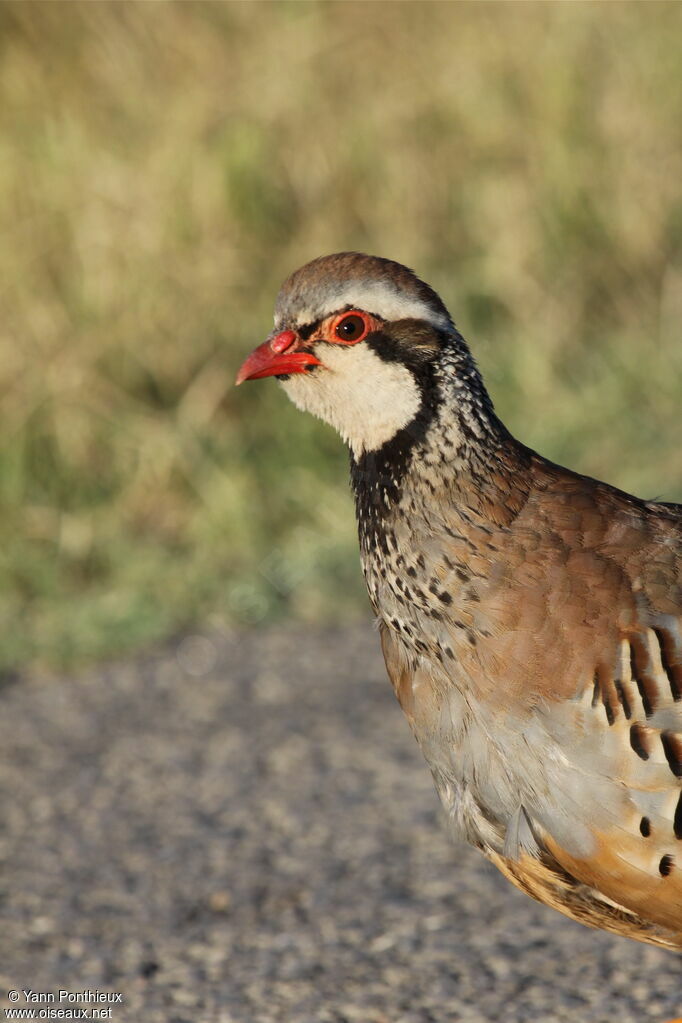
[361, 343]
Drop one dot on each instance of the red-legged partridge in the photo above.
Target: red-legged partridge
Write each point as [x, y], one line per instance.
[530, 617]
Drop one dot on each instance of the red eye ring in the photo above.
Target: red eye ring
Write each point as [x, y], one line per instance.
[352, 327]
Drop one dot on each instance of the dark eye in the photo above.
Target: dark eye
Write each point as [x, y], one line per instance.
[351, 328]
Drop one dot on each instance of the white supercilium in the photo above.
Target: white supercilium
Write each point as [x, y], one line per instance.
[375, 297]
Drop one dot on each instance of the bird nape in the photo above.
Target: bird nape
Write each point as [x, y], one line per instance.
[530, 617]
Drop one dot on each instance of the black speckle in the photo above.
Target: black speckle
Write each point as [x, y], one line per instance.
[677, 822]
[622, 696]
[638, 740]
[672, 747]
[149, 968]
[640, 673]
[462, 576]
[445, 598]
[666, 865]
[412, 572]
[645, 827]
[671, 667]
[610, 716]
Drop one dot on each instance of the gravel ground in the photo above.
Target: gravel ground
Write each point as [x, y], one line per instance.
[241, 829]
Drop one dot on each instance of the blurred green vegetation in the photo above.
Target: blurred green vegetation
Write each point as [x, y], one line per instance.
[164, 166]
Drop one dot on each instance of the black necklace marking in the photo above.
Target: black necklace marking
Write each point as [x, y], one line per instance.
[446, 375]
[377, 476]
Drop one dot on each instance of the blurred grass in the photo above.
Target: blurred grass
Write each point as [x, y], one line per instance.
[164, 166]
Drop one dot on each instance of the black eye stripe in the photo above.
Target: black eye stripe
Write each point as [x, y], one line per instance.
[305, 332]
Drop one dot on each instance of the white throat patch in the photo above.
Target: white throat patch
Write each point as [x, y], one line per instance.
[364, 398]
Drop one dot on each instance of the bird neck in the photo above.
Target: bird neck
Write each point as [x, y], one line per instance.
[455, 453]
